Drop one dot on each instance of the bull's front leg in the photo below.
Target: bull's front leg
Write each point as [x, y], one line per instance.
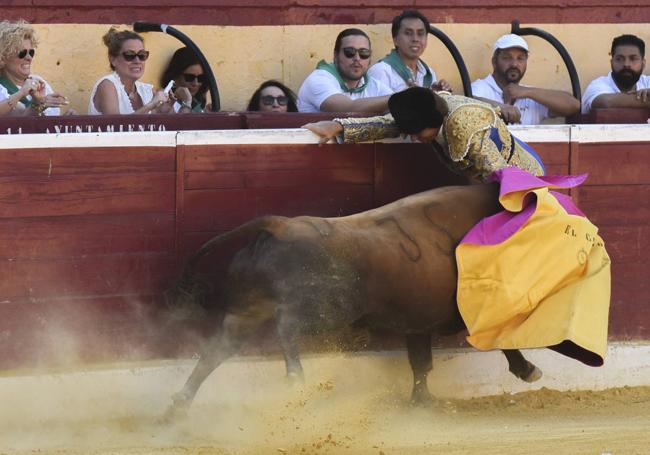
[520, 367]
[421, 360]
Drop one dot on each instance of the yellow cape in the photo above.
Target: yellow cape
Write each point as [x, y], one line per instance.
[548, 285]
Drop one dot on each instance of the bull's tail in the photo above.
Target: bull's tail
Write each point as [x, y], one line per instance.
[246, 230]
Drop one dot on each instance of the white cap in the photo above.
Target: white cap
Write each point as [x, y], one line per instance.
[510, 40]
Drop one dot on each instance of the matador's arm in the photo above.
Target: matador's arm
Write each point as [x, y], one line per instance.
[368, 128]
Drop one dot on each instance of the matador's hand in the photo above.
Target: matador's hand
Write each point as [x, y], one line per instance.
[326, 129]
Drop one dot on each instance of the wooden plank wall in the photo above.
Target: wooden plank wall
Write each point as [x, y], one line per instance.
[86, 242]
[89, 237]
[615, 199]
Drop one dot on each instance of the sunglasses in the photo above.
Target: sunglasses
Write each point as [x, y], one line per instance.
[268, 100]
[24, 52]
[129, 56]
[350, 52]
[193, 77]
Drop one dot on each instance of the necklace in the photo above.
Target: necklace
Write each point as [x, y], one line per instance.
[132, 95]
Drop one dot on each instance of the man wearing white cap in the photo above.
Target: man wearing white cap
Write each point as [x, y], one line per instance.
[519, 103]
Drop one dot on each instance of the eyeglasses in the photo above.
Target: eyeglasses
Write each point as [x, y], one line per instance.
[350, 52]
[24, 52]
[268, 100]
[194, 77]
[129, 56]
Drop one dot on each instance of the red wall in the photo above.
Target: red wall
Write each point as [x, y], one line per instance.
[89, 237]
[290, 12]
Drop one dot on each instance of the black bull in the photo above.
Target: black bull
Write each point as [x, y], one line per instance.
[392, 267]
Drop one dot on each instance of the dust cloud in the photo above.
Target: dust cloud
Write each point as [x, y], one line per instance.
[349, 404]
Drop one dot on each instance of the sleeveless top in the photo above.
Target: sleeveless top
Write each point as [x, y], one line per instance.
[144, 90]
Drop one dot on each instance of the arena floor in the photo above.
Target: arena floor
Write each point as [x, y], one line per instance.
[347, 405]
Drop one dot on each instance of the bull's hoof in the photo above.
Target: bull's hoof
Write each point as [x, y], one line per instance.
[173, 414]
[530, 374]
[177, 411]
[535, 374]
[421, 397]
[295, 379]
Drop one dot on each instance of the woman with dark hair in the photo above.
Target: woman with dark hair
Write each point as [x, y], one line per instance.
[190, 84]
[273, 96]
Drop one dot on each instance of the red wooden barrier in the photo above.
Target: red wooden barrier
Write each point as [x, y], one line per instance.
[91, 235]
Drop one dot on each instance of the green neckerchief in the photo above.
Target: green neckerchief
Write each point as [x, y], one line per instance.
[330, 68]
[196, 105]
[12, 88]
[398, 65]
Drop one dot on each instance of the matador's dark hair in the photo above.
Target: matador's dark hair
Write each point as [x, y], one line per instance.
[417, 108]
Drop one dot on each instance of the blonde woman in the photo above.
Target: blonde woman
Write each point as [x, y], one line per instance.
[21, 92]
[122, 92]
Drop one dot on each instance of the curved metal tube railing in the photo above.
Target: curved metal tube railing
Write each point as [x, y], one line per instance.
[168, 29]
[573, 74]
[460, 63]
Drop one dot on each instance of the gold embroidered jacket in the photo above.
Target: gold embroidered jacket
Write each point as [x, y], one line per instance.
[473, 137]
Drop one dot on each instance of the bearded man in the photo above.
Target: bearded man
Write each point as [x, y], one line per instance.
[520, 103]
[625, 85]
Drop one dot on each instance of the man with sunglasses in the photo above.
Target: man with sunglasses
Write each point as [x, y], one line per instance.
[343, 85]
[403, 67]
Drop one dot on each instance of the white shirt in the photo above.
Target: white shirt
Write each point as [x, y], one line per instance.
[144, 90]
[4, 94]
[532, 112]
[320, 85]
[384, 73]
[606, 85]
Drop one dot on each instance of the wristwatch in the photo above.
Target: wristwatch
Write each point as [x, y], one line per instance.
[38, 108]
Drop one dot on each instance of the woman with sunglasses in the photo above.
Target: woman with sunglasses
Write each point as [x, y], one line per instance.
[190, 84]
[21, 92]
[273, 96]
[122, 92]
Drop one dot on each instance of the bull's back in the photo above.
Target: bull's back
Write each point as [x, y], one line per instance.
[403, 253]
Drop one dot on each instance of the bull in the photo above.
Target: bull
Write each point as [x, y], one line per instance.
[392, 267]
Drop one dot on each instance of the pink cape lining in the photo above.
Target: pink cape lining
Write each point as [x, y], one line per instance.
[498, 228]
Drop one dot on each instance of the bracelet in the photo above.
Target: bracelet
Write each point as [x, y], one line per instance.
[38, 108]
[187, 105]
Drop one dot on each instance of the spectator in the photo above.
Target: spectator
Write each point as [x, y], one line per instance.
[122, 92]
[190, 83]
[343, 86]
[402, 67]
[625, 85]
[519, 103]
[273, 96]
[21, 92]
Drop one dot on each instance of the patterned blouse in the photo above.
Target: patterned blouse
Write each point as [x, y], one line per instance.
[473, 138]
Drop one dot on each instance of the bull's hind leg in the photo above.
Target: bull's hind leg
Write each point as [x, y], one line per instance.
[521, 367]
[235, 329]
[288, 333]
[421, 360]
